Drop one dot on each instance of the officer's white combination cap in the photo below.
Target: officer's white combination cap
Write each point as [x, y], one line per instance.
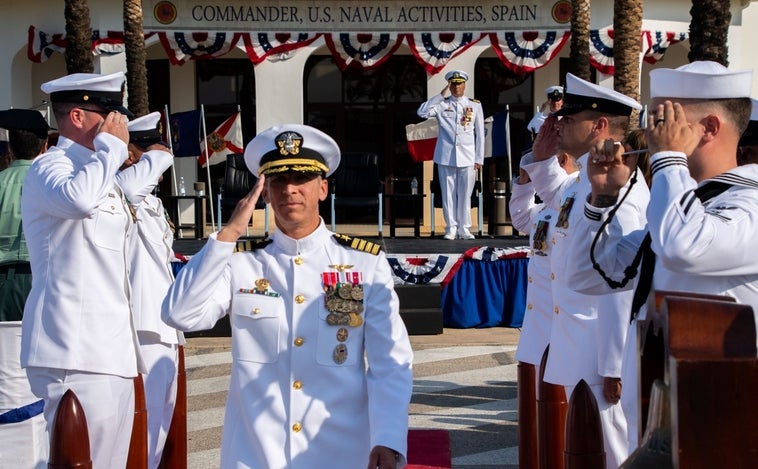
[292, 148]
[89, 88]
[582, 95]
[145, 131]
[456, 76]
[700, 80]
[553, 89]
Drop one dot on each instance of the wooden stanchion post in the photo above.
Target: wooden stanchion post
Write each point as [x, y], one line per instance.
[551, 420]
[138, 446]
[527, 417]
[584, 431]
[69, 437]
[175, 450]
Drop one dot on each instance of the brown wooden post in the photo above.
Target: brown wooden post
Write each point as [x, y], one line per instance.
[551, 420]
[138, 456]
[527, 417]
[175, 450]
[585, 447]
[69, 437]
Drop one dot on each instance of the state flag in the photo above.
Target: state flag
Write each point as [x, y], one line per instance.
[185, 133]
[226, 139]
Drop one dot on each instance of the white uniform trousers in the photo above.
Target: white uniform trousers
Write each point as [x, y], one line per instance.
[456, 185]
[23, 444]
[108, 404]
[160, 391]
[614, 427]
[630, 392]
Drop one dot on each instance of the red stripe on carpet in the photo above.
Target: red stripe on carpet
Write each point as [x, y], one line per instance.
[429, 449]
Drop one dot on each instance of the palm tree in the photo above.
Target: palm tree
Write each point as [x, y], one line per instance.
[580, 39]
[78, 37]
[627, 26]
[709, 30]
[136, 70]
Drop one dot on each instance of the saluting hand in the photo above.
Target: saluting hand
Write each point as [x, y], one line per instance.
[669, 130]
[242, 215]
[115, 124]
[444, 90]
[546, 143]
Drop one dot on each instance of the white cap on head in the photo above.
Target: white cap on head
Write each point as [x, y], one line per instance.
[146, 130]
[292, 148]
[582, 95]
[89, 88]
[554, 92]
[700, 80]
[456, 76]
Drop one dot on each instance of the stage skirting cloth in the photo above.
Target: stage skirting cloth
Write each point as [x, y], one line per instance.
[488, 290]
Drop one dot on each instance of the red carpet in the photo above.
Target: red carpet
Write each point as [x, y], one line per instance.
[428, 449]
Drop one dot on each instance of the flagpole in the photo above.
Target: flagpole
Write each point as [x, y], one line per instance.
[170, 146]
[208, 167]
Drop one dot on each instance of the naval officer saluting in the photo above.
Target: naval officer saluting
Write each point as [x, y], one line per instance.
[459, 152]
[321, 372]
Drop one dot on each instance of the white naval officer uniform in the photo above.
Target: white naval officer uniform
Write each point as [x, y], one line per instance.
[536, 219]
[588, 332]
[301, 394]
[460, 145]
[150, 277]
[699, 247]
[77, 330]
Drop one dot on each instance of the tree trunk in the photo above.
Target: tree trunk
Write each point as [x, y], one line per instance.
[580, 39]
[136, 70]
[78, 37]
[627, 47]
[709, 31]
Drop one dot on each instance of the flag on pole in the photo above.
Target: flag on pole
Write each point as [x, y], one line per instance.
[185, 133]
[496, 143]
[422, 138]
[226, 139]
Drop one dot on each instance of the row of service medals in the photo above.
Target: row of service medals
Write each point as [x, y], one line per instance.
[343, 298]
[468, 116]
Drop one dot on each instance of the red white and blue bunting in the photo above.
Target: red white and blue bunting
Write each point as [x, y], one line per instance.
[422, 269]
[434, 50]
[181, 46]
[520, 51]
[526, 51]
[367, 50]
[658, 43]
[275, 46]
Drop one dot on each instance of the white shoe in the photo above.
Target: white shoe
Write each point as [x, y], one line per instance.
[467, 235]
[449, 236]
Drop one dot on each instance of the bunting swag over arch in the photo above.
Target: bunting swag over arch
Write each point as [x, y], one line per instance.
[520, 51]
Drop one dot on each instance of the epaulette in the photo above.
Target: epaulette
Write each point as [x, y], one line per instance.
[475, 101]
[251, 244]
[358, 243]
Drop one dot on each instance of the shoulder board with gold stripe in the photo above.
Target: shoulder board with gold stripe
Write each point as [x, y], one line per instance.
[475, 101]
[357, 243]
[251, 244]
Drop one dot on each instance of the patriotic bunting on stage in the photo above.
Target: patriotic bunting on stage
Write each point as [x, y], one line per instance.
[493, 254]
[181, 47]
[658, 43]
[42, 45]
[421, 269]
[274, 46]
[368, 50]
[601, 50]
[526, 51]
[434, 50]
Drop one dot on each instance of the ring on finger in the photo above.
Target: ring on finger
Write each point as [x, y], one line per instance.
[658, 121]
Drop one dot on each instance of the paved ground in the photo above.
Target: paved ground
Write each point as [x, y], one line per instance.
[464, 381]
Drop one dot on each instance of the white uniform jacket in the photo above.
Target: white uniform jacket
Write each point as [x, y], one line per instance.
[581, 345]
[151, 272]
[700, 247]
[76, 223]
[301, 394]
[537, 220]
[460, 141]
